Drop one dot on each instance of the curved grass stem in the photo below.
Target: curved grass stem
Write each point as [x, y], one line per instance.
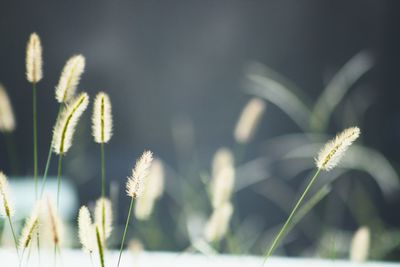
[285, 227]
[126, 229]
[49, 155]
[35, 149]
[59, 173]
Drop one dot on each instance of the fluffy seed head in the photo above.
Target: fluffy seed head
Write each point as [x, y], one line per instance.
[222, 186]
[65, 126]
[87, 234]
[34, 60]
[70, 77]
[6, 208]
[222, 158]
[153, 189]
[134, 186]
[55, 222]
[334, 150]
[360, 245]
[218, 224]
[7, 120]
[104, 222]
[102, 118]
[30, 227]
[249, 120]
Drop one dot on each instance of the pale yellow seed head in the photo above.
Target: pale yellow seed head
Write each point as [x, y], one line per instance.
[222, 158]
[69, 79]
[333, 151]
[34, 59]
[7, 119]
[249, 120]
[360, 245]
[222, 186]
[7, 207]
[87, 234]
[153, 189]
[106, 222]
[134, 186]
[30, 227]
[65, 126]
[218, 224]
[102, 122]
[55, 222]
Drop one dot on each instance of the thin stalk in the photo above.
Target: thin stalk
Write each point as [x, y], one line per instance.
[59, 173]
[22, 257]
[29, 255]
[308, 206]
[126, 229]
[49, 155]
[103, 192]
[100, 245]
[91, 259]
[103, 172]
[35, 149]
[282, 232]
[14, 236]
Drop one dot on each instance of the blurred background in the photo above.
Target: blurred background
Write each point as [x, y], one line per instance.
[177, 73]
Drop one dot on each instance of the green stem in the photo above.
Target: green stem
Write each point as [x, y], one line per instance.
[282, 232]
[59, 173]
[103, 192]
[49, 155]
[126, 229]
[13, 234]
[35, 149]
[103, 172]
[100, 245]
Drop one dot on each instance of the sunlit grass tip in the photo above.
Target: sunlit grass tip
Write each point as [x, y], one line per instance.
[34, 59]
[102, 123]
[359, 250]
[134, 185]
[86, 230]
[31, 226]
[7, 118]
[105, 223]
[222, 158]
[153, 189]
[7, 207]
[65, 126]
[331, 154]
[55, 222]
[249, 120]
[69, 79]
[222, 186]
[218, 224]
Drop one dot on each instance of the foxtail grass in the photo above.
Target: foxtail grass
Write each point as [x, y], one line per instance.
[7, 208]
[329, 156]
[34, 74]
[102, 132]
[65, 92]
[64, 131]
[134, 188]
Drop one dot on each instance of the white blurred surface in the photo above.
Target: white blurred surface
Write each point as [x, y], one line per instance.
[77, 258]
[23, 195]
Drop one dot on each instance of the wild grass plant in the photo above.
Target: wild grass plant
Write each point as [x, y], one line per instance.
[206, 212]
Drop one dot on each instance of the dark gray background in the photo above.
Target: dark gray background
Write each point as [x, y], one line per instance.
[166, 61]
